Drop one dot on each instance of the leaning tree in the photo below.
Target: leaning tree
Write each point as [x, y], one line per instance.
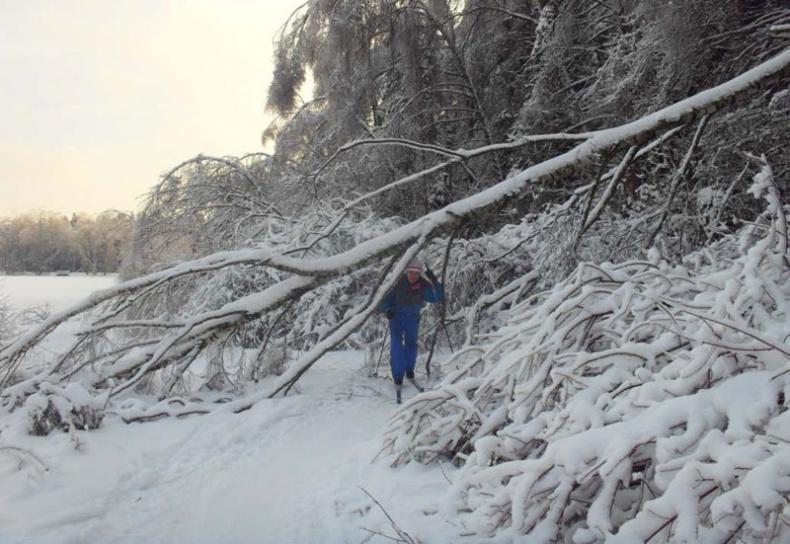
[131, 333]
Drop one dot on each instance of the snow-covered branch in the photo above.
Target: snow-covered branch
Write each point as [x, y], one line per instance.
[631, 402]
[289, 278]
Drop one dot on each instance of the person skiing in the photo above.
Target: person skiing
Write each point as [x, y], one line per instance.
[402, 307]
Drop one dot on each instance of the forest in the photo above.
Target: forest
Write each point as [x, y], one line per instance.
[600, 185]
[47, 242]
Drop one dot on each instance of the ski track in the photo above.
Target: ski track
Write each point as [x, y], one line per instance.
[288, 470]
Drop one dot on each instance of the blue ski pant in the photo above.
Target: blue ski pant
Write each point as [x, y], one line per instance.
[403, 344]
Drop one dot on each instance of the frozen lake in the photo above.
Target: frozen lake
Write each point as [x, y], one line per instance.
[57, 291]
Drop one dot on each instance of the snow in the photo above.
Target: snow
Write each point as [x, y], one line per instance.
[661, 419]
[305, 468]
[54, 294]
[288, 470]
[59, 292]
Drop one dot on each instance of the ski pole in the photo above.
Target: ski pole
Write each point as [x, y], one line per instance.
[447, 334]
[442, 305]
[381, 352]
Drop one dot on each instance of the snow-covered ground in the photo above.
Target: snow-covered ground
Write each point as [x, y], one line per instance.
[57, 291]
[51, 294]
[290, 470]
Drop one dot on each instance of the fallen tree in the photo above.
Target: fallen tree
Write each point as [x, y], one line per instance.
[634, 402]
[119, 348]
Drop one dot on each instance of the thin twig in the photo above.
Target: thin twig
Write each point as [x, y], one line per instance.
[404, 536]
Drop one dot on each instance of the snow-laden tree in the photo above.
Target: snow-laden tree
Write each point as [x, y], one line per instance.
[45, 242]
[462, 74]
[633, 402]
[549, 405]
[416, 71]
[149, 330]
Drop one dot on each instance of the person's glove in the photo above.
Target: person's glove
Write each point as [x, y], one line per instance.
[390, 313]
[430, 275]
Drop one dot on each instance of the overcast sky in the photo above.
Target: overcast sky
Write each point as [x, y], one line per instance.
[99, 97]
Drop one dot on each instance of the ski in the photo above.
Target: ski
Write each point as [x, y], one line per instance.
[416, 385]
[399, 389]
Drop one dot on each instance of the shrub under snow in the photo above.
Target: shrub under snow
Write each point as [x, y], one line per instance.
[63, 408]
[637, 402]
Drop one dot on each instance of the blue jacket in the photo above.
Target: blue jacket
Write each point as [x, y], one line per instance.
[408, 299]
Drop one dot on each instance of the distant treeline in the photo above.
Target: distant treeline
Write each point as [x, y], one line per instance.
[44, 242]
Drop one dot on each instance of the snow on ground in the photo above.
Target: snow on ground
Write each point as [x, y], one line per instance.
[289, 470]
[53, 293]
[57, 291]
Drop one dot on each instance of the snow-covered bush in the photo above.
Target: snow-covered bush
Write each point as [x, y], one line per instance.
[633, 402]
[63, 408]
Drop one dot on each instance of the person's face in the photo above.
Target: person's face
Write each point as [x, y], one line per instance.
[412, 276]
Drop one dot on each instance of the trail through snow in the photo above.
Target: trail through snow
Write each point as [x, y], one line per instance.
[287, 471]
